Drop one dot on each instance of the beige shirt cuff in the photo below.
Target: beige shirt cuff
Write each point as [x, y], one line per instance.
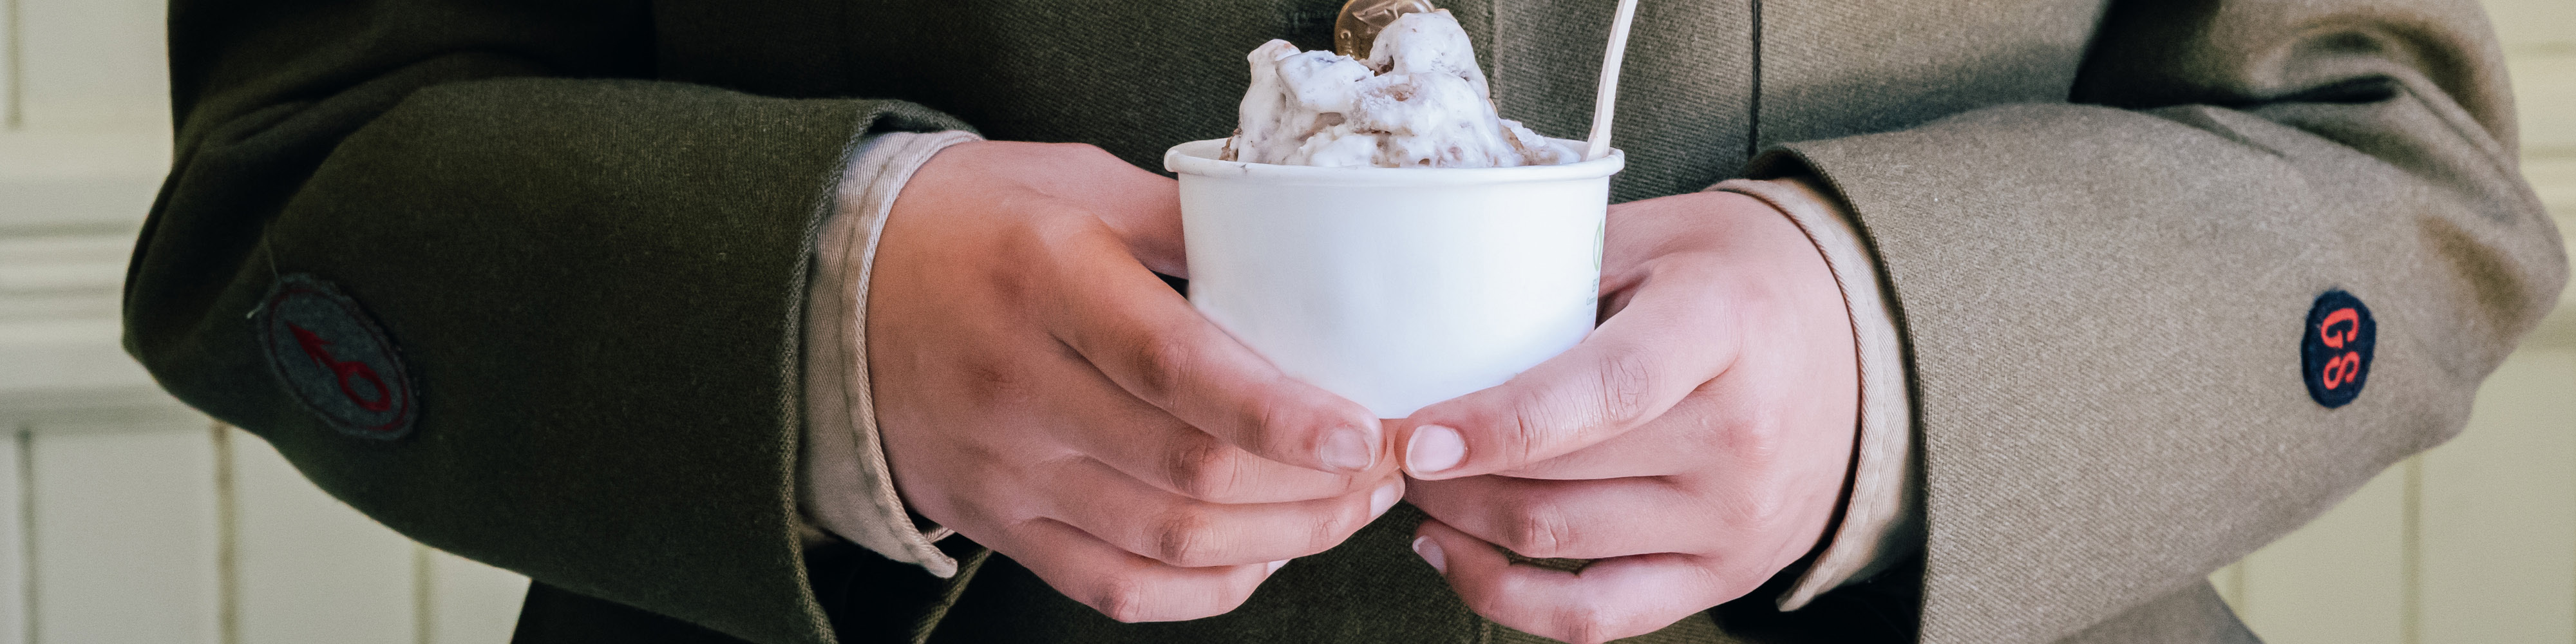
[1882, 518]
[845, 485]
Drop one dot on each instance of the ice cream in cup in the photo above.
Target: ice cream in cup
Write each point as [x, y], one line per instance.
[1374, 229]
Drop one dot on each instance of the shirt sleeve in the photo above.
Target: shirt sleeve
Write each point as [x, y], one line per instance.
[845, 485]
[1882, 513]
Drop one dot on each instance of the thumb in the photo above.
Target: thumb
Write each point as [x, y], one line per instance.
[1633, 368]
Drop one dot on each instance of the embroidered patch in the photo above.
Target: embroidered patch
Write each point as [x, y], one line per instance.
[2335, 355]
[334, 359]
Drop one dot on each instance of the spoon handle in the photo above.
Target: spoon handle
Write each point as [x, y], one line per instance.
[1607, 92]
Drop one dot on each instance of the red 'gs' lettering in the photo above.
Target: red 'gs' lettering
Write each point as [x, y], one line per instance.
[316, 348]
[2342, 369]
[2351, 321]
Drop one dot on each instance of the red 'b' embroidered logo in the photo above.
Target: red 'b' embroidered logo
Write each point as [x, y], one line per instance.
[334, 359]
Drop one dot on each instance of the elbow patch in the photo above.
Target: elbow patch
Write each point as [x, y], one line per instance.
[325, 351]
[2334, 355]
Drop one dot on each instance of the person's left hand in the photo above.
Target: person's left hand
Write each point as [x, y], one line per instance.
[1695, 445]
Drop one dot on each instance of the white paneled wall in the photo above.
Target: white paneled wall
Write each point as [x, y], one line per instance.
[11, 57]
[65, 45]
[311, 571]
[466, 602]
[15, 582]
[125, 516]
[2502, 567]
[168, 528]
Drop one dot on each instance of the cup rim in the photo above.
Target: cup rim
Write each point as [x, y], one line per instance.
[1199, 158]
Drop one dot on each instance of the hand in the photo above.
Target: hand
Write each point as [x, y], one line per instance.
[1043, 393]
[1694, 445]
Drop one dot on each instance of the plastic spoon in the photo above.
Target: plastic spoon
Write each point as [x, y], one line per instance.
[1607, 94]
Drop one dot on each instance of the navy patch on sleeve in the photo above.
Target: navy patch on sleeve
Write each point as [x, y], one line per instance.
[2335, 355]
[334, 359]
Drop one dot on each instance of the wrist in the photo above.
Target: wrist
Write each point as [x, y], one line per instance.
[1882, 510]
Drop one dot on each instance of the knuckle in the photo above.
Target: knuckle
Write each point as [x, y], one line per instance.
[1622, 394]
[1532, 428]
[1580, 627]
[1041, 237]
[1187, 539]
[1757, 512]
[1628, 384]
[1321, 535]
[1540, 531]
[1263, 416]
[1126, 597]
[1345, 519]
[1162, 361]
[995, 380]
[1702, 433]
[1589, 623]
[1058, 241]
[1210, 471]
[1756, 441]
[1351, 484]
[1013, 284]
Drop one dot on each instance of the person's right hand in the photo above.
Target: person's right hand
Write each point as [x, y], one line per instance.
[1040, 391]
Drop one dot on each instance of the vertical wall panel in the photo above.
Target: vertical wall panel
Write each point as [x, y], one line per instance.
[124, 537]
[8, 65]
[2533, 24]
[2337, 581]
[312, 568]
[2230, 582]
[13, 533]
[2539, 39]
[471, 603]
[2555, 180]
[93, 63]
[58, 315]
[2544, 89]
[2499, 536]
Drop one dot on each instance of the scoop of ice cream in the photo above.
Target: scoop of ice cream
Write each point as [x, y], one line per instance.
[1427, 43]
[1418, 101]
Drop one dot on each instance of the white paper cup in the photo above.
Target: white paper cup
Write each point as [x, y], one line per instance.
[1395, 287]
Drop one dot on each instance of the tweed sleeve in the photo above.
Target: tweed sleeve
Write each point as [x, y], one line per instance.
[2108, 303]
[475, 276]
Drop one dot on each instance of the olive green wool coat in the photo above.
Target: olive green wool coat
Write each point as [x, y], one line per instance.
[583, 226]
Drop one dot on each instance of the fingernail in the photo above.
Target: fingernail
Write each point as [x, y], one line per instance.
[1274, 566]
[1348, 449]
[1382, 499]
[1434, 449]
[1431, 554]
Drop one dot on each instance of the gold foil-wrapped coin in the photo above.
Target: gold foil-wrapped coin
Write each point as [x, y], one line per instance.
[1362, 19]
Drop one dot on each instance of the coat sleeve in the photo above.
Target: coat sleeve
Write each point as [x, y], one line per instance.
[592, 282]
[2104, 300]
